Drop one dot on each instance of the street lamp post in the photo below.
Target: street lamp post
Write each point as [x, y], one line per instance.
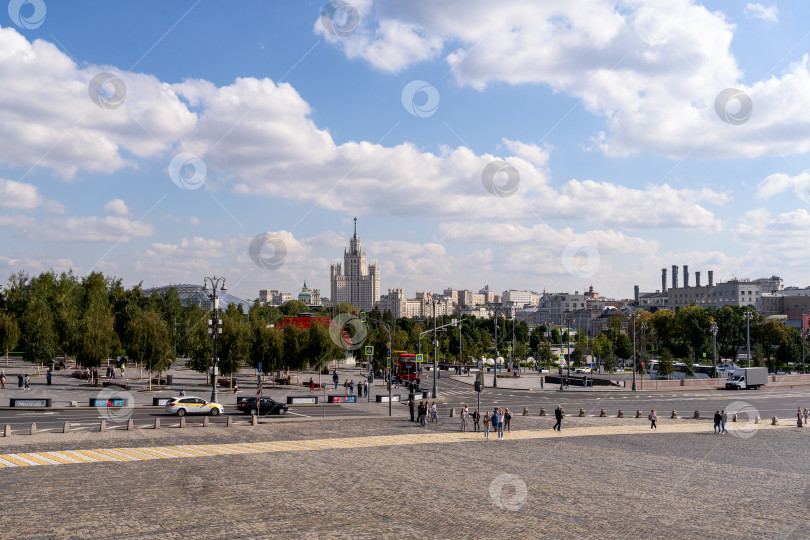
[495, 365]
[435, 392]
[714, 348]
[568, 332]
[213, 328]
[643, 350]
[747, 316]
[634, 350]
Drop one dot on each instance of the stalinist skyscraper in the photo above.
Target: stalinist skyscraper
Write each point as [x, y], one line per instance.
[359, 285]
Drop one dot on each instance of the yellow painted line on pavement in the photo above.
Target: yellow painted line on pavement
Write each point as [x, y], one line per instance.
[68, 457]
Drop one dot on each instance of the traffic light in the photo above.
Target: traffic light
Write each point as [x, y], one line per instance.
[478, 385]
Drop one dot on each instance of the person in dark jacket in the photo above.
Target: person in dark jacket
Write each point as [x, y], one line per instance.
[411, 407]
[559, 416]
[717, 419]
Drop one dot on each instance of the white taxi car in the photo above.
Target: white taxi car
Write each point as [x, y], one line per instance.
[182, 406]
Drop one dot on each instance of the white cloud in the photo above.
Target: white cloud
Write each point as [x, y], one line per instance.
[651, 69]
[781, 236]
[18, 195]
[116, 207]
[77, 229]
[758, 11]
[777, 183]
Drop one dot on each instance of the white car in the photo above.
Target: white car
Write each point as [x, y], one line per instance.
[182, 406]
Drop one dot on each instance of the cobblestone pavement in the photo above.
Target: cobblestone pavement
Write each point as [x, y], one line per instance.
[607, 483]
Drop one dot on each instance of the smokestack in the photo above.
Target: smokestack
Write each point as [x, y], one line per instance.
[686, 275]
[711, 278]
[635, 293]
[664, 280]
[697, 279]
[674, 276]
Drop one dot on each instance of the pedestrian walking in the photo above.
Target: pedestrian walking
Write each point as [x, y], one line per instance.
[27, 382]
[486, 425]
[476, 416]
[500, 424]
[723, 420]
[20, 381]
[123, 369]
[798, 417]
[507, 416]
[434, 412]
[112, 372]
[182, 392]
[541, 382]
[346, 385]
[585, 381]
[2, 379]
[351, 387]
[311, 384]
[465, 412]
[335, 378]
[559, 416]
[235, 386]
[806, 412]
[411, 407]
[653, 419]
[48, 377]
[423, 414]
[717, 420]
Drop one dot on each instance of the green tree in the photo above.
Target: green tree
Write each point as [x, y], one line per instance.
[602, 347]
[9, 333]
[293, 308]
[694, 324]
[666, 364]
[319, 348]
[96, 338]
[623, 347]
[292, 342]
[233, 344]
[147, 342]
[38, 335]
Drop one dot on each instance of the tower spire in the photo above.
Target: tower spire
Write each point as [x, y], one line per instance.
[355, 227]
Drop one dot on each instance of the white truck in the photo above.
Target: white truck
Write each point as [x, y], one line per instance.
[754, 377]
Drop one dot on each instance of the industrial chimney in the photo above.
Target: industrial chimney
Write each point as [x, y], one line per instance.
[674, 276]
[697, 279]
[635, 293]
[664, 280]
[686, 275]
[711, 278]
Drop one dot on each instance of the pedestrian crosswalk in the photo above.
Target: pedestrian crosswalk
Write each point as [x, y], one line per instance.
[183, 451]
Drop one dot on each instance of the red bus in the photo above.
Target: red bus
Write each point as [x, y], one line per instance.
[405, 367]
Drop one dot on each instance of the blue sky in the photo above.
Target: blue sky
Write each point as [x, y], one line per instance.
[606, 112]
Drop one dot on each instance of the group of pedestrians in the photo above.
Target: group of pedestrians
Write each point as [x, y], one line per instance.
[720, 419]
[423, 410]
[496, 420]
[23, 381]
[362, 387]
[802, 413]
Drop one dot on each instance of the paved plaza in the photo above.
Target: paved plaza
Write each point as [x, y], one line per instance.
[369, 478]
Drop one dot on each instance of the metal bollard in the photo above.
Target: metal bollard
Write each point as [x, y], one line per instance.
[621, 414]
[452, 412]
[602, 413]
[33, 430]
[774, 421]
[182, 421]
[66, 427]
[757, 419]
[542, 411]
[674, 415]
[525, 411]
[734, 418]
[102, 425]
[7, 431]
[130, 424]
[638, 413]
[582, 412]
[697, 415]
[254, 419]
[205, 421]
[157, 423]
[229, 421]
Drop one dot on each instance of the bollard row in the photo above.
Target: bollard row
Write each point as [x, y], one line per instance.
[102, 425]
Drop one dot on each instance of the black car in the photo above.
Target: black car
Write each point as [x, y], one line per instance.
[267, 406]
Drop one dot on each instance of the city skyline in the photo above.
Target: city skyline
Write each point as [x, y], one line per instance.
[531, 147]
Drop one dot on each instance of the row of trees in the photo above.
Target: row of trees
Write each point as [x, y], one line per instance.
[94, 318]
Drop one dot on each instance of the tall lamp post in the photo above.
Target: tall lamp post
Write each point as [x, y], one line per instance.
[568, 350]
[747, 316]
[495, 366]
[643, 351]
[633, 316]
[714, 348]
[388, 361]
[214, 324]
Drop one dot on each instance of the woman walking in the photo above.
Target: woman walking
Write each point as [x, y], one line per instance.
[476, 416]
[500, 423]
[653, 419]
[486, 425]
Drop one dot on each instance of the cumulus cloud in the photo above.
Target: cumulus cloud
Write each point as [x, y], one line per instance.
[653, 70]
[18, 195]
[758, 11]
[77, 229]
[117, 207]
[777, 183]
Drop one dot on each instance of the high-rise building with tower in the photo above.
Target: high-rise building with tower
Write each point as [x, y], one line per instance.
[355, 282]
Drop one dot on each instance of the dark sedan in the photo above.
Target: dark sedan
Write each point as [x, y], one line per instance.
[267, 406]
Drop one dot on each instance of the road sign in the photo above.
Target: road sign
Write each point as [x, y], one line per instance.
[369, 350]
[562, 356]
[509, 348]
[704, 355]
[362, 316]
[260, 367]
[420, 358]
